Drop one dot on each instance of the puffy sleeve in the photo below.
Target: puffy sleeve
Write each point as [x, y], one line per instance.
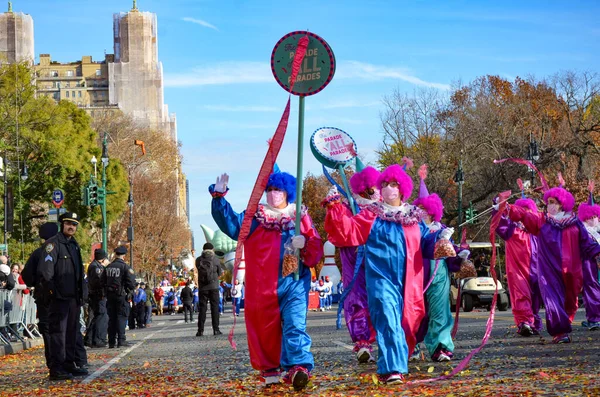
[455, 262]
[533, 221]
[505, 228]
[428, 240]
[312, 252]
[345, 230]
[589, 247]
[225, 217]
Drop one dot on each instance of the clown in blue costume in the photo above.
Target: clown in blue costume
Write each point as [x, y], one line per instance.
[275, 303]
[396, 240]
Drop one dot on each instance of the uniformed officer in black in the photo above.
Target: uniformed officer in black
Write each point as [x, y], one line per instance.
[60, 272]
[98, 326]
[119, 280]
[29, 274]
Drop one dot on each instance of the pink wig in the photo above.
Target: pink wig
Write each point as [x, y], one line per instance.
[587, 211]
[433, 205]
[363, 180]
[396, 173]
[565, 198]
[527, 203]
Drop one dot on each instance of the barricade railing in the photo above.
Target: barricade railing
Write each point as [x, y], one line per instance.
[20, 320]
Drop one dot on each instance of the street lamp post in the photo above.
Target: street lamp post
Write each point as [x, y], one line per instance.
[24, 177]
[459, 178]
[130, 228]
[533, 155]
[94, 162]
[102, 194]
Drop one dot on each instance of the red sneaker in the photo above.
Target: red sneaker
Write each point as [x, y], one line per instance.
[298, 377]
[392, 379]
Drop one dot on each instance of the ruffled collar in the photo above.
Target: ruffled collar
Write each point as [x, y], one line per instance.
[594, 232]
[562, 219]
[434, 226]
[277, 219]
[404, 214]
[361, 201]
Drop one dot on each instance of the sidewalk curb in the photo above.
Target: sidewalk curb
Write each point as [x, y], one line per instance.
[17, 347]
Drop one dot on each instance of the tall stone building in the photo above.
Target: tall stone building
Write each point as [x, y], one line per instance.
[16, 37]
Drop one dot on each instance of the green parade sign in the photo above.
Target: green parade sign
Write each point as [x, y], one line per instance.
[317, 68]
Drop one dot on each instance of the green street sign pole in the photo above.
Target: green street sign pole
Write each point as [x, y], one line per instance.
[102, 195]
[299, 174]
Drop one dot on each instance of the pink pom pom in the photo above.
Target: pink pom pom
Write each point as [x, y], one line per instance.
[520, 184]
[408, 162]
[423, 171]
[561, 181]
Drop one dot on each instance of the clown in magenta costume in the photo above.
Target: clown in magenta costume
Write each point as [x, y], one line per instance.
[275, 304]
[395, 239]
[522, 249]
[438, 330]
[588, 213]
[356, 308]
[564, 244]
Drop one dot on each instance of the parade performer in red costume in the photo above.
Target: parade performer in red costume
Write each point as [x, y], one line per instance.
[275, 303]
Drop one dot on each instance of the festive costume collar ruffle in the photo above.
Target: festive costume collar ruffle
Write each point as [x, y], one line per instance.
[562, 219]
[277, 219]
[434, 226]
[404, 214]
[594, 232]
[362, 202]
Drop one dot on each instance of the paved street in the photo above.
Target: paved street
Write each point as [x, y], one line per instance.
[168, 359]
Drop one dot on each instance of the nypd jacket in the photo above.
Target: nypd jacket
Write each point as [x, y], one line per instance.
[94, 278]
[60, 268]
[118, 278]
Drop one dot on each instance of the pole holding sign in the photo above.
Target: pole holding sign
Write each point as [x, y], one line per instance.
[334, 148]
[317, 68]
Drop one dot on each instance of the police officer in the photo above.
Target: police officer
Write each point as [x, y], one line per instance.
[42, 301]
[60, 273]
[98, 327]
[119, 280]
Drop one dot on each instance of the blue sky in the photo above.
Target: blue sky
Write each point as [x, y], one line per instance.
[216, 53]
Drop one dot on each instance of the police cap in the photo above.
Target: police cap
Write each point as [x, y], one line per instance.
[121, 250]
[99, 254]
[69, 216]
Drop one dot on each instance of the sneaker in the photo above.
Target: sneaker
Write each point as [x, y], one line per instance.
[524, 329]
[392, 379]
[60, 376]
[593, 326]
[416, 355]
[297, 376]
[271, 377]
[440, 356]
[448, 353]
[562, 338]
[535, 331]
[364, 355]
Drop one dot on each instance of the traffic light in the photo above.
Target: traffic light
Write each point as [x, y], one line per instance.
[101, 195]
[93, 195]
[471, 213]
[85, 195]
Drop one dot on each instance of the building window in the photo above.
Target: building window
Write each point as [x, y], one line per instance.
[57, 96]
[67, 93]
[79, 94]
[69, 73]
[73, 94]
[54, 73]
[98, 72]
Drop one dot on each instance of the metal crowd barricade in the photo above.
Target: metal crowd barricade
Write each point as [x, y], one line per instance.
[3, 315]
[20, 321]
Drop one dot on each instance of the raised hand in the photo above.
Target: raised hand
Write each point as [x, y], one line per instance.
[222, 182]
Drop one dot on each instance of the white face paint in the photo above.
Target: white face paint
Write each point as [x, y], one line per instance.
[275, 198]
[553, 209]
[390, 194]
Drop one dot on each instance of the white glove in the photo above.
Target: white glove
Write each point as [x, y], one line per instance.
[464, 254]
[332, 191]
[496, 207]
[447, 233]
[221, 185]
[298, 242]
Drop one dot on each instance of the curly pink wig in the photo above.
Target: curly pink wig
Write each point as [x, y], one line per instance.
[527, 203]
[587, 211]
[433, 205]
[396, 173]
[363, 180]
[565, 198]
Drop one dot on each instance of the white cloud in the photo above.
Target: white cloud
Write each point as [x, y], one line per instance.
[200, 22]
[225, 108]
[365, 71]
[245, 72]
[222, 74]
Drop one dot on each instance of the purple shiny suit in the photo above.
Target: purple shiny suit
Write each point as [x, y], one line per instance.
[591, 291]
[356, 308]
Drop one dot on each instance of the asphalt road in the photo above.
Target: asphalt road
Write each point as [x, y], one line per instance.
[168, 359]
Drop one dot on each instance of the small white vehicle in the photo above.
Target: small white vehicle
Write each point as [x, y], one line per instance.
[478, 292]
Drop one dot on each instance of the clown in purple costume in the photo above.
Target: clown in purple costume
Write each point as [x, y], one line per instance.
[589, 213]
[564, 243]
